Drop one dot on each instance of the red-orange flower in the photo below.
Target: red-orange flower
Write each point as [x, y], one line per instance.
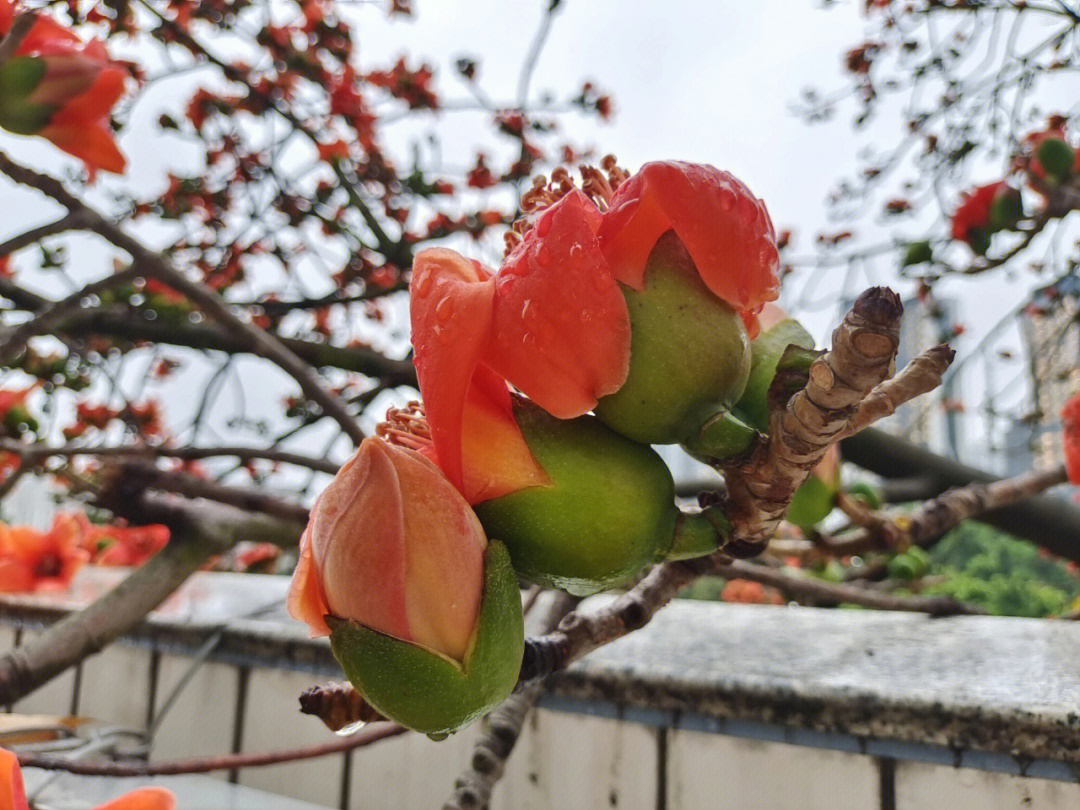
[554, 321]
[974, 211]
[393, 546]
[69, 88]
[13, 794]
[1070, 439]
[31, 560]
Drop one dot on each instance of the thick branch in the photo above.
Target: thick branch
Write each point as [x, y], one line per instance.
[152, 264]
[199, 530]
[861, 357]
[211, 337]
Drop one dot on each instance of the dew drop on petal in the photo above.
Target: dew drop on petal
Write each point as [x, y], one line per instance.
[444, 310]
[727, 200]
[748, 211]
[543, 256]
[543, 225]
[423, 285]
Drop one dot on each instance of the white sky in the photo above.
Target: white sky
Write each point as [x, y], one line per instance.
[699, 81]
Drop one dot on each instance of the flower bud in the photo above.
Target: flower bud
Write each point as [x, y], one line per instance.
[424, 614]
[1056, 158]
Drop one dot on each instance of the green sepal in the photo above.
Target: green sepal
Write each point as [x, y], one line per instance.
[609, 510]
[18, 78]
[698, 534]
[811, 503]
[918, 252]
[770, 355]
[865, 492]
[425, 690]
[689, 353]
[1006, 209]
[724, 435]
[1057, 158]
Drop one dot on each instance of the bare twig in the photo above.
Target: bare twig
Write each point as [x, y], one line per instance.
[227, 762]
[920, 376]
[760, 488]
[819, 590]
[68, 222]
[472, 790]
[934, 518]
[150, 263]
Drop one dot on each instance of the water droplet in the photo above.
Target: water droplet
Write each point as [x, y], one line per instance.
[543, 256]
[525, 307]
[423, 285]
[600, 281]
[748, 211]
[504, 285]
[727, 200]
[576, 250]
[352, 728]
[543, 225]
[444, 310]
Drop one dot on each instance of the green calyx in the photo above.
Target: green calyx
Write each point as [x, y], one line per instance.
[609, 511]
[1006, 209]
[425, 690]
[1057, 158]
[811, 503]
[18, 78]
[689, 353]
[779, 363]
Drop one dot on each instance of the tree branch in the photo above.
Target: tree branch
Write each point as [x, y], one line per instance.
[920, 376]
[226, 762]
[152, 264]
[819, 590]
[199, 529]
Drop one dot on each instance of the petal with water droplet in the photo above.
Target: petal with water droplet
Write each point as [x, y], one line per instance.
[726, 230]
[559, 358]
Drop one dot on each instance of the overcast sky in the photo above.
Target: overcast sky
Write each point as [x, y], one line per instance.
[699, 81]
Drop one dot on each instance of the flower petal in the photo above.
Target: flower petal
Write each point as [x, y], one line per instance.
[358, 542]
[12, 793]
[93, 145]
[147, 798]
[444, 556]
[561, 330]
[306, 600]
[726, 230]
[497, 461]
[451, 312]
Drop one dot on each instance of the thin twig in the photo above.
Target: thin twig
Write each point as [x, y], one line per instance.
[152, 264]
[227, 762]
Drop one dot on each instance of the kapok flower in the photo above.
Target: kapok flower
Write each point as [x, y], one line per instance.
[983, 210]
[424, 614]
[1070, 439]
[31, 560]
[392, 546]
[63, 89]
[13, 793]
[555, 321]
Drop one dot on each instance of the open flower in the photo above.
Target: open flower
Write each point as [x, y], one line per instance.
[597, 301]
[31, 560]
[63, 89]
[423, 613]
[13, 794]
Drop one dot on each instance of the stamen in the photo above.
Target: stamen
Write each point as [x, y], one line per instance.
[599, 184]
[406, 427]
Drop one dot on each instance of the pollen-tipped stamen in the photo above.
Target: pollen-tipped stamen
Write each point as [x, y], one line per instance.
[406, 427]
[598, 184]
